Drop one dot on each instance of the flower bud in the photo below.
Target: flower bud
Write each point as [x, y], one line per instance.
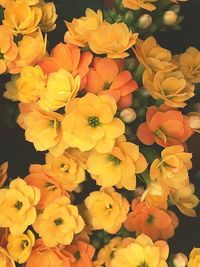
[128, 18]
[194, 121]
[180, 260]
[138, 191]
[128, 115]
[144, 21]
[169, 17]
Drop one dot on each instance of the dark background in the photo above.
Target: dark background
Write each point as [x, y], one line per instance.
[20, 154]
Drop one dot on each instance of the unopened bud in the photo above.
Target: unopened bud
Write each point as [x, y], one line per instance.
[194, 121]
[144, 21]
[180, 260]
[128, 18]
[175, 8]
[169, 17]
[128, 115]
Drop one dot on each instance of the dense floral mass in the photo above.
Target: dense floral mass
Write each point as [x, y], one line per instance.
[111, 111]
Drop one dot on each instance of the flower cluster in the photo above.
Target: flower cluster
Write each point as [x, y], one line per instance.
[82, 105]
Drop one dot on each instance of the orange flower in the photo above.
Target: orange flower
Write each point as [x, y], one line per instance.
[82, 252]
[48, 257]
[3, 173]
[68, 57]
[154, 222]
[164, 126]
[50, 189]
[106, 78]
[7, 47]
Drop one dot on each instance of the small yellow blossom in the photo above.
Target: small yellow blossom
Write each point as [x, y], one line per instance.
[68, 169]
[90, 123]
[17, 206]
[141, 252]
[138, 4]
[59, 222]
[61, 87]
[171, 171]
[185, 200]
[106, 209]
[112, 39]
[79, 29]
[4, 3]
[168, 86]
[49, 16]
[194, 258]
[21, 18]
[20, 246]
[153, 56]
[119, 167]
[11, 92]
[5, 259]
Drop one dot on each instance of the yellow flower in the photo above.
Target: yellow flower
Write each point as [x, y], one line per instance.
[68, 169]
[171, 171]
[185, 200]
[17, 206]
[119, 167]
[5, 259]
[105, 254]
[43, 129]
[79, 29]
[61, 86]
[30, 51]
[49, 16]
[112, 39]
[155, 196]
[21, 18]
[20, 246]
[189, 64]
[59, 222]
[152, 55]
[106, 209]
[11, 92]
[4, 3]
[89, 123]
[168, 86]
[141, 252]
[138, 4]
[30, 84]
[194, 259]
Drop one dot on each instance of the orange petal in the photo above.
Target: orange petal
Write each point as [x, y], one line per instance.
[145, 135]
[85, 60]
[107, 69]
[125, 101]
[49, 65]
[94, 83]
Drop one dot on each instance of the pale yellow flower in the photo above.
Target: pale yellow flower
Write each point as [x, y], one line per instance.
[49, 16]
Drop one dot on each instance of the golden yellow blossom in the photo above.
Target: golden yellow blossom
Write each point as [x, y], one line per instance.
[194, 259]
[11, 92]
[49, 16]
[152, 55]
[17, 206]
[189, 64]
[112, 39]
[106, 253]
[61, 86]
[31, 84]
[21, 18]
[138, 4]
[4, 3]
[89, 123]
[106, 209]
[59, 222]
[171, 171]
[79, 29]
[168, 86]
[5, 259]
[141, 252]
[20, 246]
[118, 167]
[185, 200]
[30, 51]
[68, 169]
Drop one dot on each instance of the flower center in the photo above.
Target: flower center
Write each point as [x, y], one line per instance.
[107, 85]
[93, 121]
[58, 221]
[150, 219]
[144, 264]
[1, 56]
[54, 124]
[24, 244]
[18, 205]
[115, 160]
[64, 167]
[77, 255]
